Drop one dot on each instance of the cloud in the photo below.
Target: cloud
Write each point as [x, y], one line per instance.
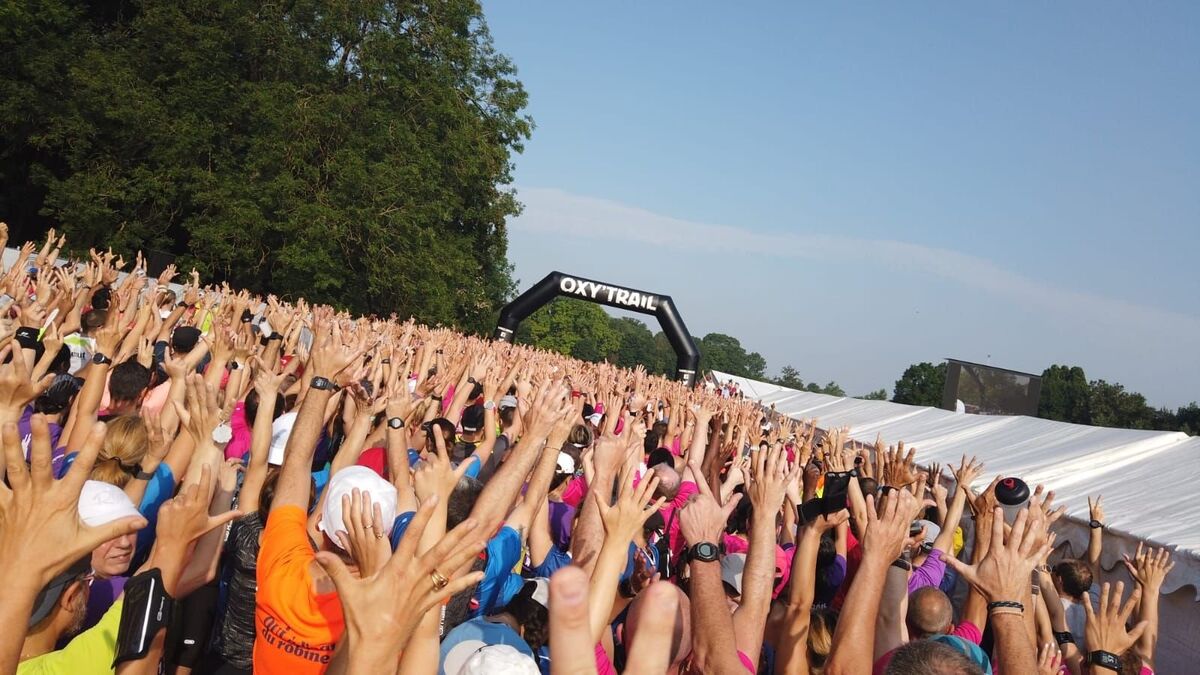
[554, 211]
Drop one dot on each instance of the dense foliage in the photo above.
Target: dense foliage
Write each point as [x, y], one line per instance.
[355, 152]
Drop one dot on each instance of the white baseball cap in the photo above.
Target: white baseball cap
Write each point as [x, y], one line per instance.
[343, 482]
[499, 660]
[101, 503]
[281, 431]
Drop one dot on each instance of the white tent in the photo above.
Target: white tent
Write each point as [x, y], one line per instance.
[1149, 481]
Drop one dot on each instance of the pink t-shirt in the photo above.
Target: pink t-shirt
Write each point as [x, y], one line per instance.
[575, 492]
[603, 665]
[239, 445]
[674, 538]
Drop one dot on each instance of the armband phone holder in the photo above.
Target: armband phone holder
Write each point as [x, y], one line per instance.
[147, 609]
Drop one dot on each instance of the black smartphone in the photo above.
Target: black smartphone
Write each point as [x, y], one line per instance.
[833, 499]
[146, 610]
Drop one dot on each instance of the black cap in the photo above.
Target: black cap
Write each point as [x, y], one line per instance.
[184, 339]
[472, 419]
[587, 410]
[48, 597]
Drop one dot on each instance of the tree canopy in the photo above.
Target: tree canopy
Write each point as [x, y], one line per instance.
[921, 384]
[352, 152]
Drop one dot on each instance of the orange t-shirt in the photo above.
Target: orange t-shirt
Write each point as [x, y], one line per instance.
[296, 630]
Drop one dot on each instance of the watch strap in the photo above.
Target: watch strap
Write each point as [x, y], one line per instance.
[142, 474]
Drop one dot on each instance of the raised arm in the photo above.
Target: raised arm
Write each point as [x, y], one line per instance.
[714, 646]
[329, 360]
[1149, 568]
[1096, 537]
[767, 489]
[883, 540]
[501, 491]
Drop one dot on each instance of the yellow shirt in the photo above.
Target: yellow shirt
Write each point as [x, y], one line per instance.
[92, 651]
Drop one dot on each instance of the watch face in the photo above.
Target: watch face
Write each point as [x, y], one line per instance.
[706, 552]
[396, 423]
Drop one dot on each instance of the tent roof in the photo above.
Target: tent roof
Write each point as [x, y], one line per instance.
[1148, 478]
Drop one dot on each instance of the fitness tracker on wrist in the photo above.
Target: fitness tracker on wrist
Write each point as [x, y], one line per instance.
[323, 384]
[1095, 524]
[705, 551]
[1105, 660]
[100, 359]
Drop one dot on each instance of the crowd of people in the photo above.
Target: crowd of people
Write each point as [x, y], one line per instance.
[204, 480]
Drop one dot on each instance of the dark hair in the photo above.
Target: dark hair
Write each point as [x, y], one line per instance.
[826, 551]
[533, 617]
[102, 298]
[267, 494]
[1076, 577]
[462, 500]
[129, 379]
[660, 456]
[95, 318]
[59, 396]
[926, 657]
[251, 407]
[447, 428]
[507, 415]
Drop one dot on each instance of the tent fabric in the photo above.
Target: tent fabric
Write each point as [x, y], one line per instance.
[1148, 480]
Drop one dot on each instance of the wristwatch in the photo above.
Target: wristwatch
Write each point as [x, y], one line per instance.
[1105, 660]
[222, 433]
[1095, 524]
[323, 384]
[395, 423]
[489, 405]
[100, 359]
[705, 551]
[142, 474]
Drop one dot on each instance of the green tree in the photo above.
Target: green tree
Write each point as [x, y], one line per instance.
[353, 152]
[1112, 406]
[830, 388]
[1065, 395]
[921, 384]
[571, 327]
[636, 344]
[790, 377]
[726, 354]
[877, 395]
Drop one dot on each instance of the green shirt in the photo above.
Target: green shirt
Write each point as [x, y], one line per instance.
[92, 651]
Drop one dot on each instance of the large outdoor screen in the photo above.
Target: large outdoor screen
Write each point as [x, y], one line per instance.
[987, 390]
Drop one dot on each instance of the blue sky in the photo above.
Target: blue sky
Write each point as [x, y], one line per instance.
[851, 189]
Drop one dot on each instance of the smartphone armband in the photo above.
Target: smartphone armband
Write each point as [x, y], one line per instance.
[147, 610]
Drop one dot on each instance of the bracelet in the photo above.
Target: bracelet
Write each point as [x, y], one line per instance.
[1006, 604]
[1064, 637]
[1006, 610]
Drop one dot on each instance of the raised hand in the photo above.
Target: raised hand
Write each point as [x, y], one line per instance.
[624, 519]
[887, 527]
[703, 519]
[1003, 574]
[967, 472]
[1106, 624]
[1095, 509]
[365, 536]
[770, 479]
[382, 609]
[1049, 659]
[40, 530]
[184, 518]
[1149, 567]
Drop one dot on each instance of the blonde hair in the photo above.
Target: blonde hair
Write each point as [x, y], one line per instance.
[123, 449]
[821, 626]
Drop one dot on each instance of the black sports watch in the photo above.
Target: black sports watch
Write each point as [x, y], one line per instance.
[100, 359]
[705, 551]
[1095, 524]
[395, 423]
[1105, 660]
[323, 384]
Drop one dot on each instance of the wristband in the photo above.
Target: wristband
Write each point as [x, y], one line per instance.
[1064, 637]
[903, 564]
[1105, 659]
[1006, 604]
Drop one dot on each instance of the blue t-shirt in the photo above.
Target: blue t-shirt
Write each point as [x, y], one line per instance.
[500, 583]
[400, 526]
[555, 560]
